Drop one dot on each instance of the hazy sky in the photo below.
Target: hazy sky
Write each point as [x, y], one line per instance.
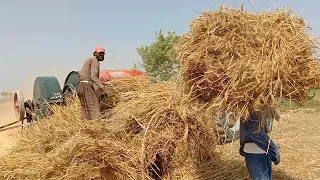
[42, 37]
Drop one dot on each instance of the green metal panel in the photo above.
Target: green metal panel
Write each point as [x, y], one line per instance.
[46, 89]
[71, 80]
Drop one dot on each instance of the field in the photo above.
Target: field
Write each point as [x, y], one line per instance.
[297, 133]
[312, 104]
[7, 136]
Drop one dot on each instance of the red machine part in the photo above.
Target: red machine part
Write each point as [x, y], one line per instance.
[107, 75]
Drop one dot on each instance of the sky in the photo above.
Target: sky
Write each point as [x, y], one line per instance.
[40, 38]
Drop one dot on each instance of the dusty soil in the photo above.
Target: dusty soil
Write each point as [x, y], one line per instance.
[298, 134]
[7, 137]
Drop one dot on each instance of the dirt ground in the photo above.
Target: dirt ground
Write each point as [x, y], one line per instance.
[7, 137]
[298, 134]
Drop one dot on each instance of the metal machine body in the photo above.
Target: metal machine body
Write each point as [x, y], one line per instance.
[46, 90]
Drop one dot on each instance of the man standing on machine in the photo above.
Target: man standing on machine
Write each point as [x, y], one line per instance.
[89, 86]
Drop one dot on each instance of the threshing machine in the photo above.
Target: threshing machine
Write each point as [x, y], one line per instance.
[47, 90]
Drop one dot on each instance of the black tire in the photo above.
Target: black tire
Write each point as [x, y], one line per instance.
[29, 111]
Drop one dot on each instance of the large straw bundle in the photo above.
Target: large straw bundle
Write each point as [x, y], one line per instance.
[240, 61]
[168, 136]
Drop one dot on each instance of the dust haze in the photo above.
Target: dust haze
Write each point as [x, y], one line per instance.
[7, 137]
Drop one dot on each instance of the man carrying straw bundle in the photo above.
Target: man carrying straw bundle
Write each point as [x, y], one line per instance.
[89, 85]
[233, 59]
[257, 147]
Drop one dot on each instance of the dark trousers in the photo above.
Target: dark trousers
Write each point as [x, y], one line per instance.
[259, 166]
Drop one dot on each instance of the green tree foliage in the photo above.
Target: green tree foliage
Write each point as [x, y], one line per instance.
[158, 59]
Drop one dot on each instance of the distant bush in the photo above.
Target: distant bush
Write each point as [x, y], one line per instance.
[6, 96]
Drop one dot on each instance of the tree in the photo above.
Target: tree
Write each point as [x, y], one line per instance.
[158, 59]
[6, 95]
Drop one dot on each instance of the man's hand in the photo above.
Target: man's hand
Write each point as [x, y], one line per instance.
[103, 96]
[277, 144]
[103, 90]
[106, 83]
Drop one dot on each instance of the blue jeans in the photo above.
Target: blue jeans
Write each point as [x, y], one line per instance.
[259, 166]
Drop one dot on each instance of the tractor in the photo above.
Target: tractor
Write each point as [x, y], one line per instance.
[47, 90]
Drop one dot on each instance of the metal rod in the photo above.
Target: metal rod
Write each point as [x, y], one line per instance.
[8, 128]
[252, 6]
[1, 127]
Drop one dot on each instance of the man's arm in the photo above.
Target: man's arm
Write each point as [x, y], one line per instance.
[95, 73]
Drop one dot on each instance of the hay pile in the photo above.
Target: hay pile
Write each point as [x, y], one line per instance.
[146, 137]
[239, 61]
[63, 147]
